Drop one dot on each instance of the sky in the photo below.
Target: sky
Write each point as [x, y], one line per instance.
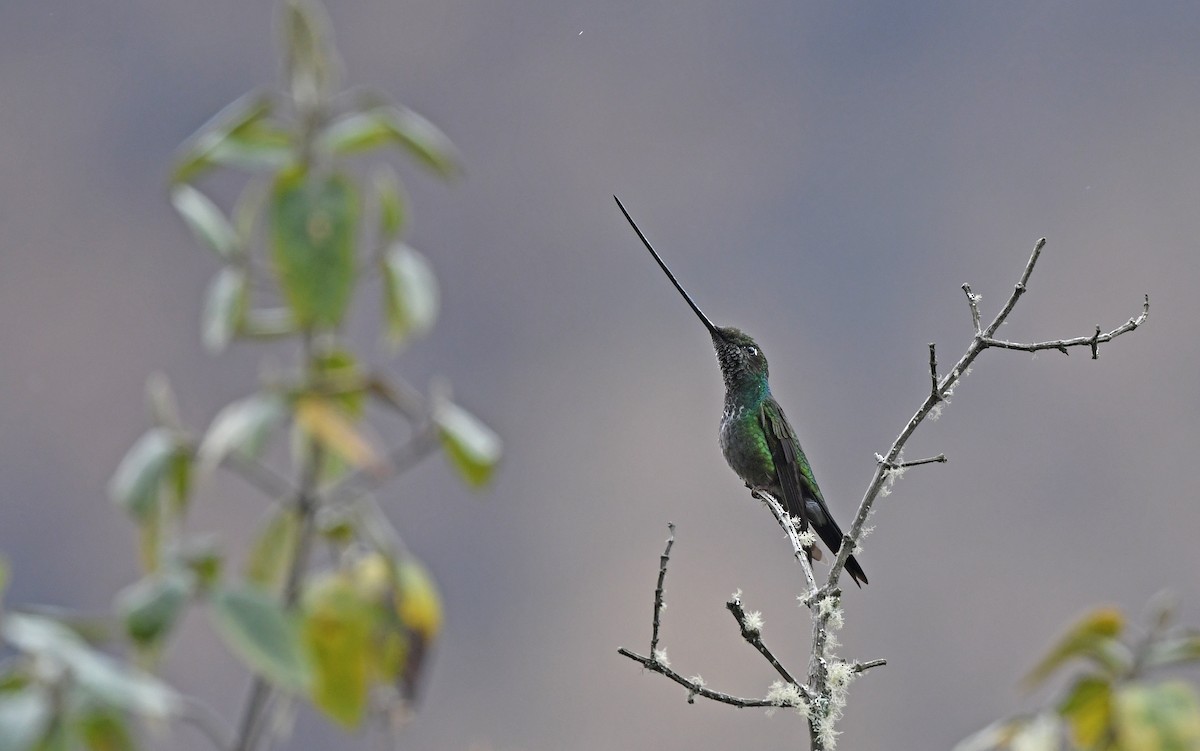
[824, 176]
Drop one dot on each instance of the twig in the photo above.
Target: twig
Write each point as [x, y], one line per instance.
[753, 637]
[973, 300]
[1093, 342]
[939, 459]
[799, 549]
[663, 560]
[694, 688]
[862, 667]
[933, 374]
[983, 339]
[656, 661]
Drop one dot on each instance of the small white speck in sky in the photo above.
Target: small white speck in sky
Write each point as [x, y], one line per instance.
[580, 33]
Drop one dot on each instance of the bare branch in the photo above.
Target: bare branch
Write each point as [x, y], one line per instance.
[1018, 289]
[862, 667]
[933, 374]
[973, 300]
[663, 560]
[799, 550]
[694, 688]
[656, 662]
[1092, 342]
[983, 339]
[939, 459]
[753, 637]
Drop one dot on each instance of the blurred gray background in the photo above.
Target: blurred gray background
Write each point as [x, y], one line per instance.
[822, 175]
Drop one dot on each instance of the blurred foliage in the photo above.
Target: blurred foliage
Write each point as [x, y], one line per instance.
[1120, 701]
[351, 633]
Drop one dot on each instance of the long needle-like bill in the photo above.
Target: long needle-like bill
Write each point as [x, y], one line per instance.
[709, 324]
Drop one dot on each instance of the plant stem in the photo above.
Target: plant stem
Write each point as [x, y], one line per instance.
[306, 505]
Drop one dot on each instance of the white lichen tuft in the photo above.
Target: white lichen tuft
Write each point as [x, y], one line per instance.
[830, 608]
[840, 674]
[697, 681]
[827, 605]
[786, 695]
[754, 622]
[736, 596]
[660, 656]
[807, 538]
[827, 734]
[935, 411]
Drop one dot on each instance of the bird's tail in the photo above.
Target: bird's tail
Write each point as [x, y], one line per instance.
[831, 534]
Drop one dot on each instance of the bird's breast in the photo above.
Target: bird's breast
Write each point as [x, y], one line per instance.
[745, 447]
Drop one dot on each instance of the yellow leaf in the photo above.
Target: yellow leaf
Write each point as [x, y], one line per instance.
[1088, 709]
[1087, 637]
[337, 626]
[332, 429]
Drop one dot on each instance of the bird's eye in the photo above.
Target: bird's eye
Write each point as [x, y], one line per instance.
[752, 351]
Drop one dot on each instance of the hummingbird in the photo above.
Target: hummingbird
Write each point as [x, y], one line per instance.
[756, 438]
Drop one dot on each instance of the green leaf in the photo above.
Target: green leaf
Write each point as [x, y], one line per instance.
[100, 677]
[1089, 637]
[241, 426]
[1041, 733]
[337, 627]
[393, 209]
[313, 225]
[104, 730]
[59, 737]
[355, 132]
[201, 556]
[310, 64]
[265, 637]
[4, 575]
[224, 307]
[151, 607]
[136, 483]
[410, 293]
[1175, 651]
[425, 142]
[1088, 710]
[150, 540]
[1162, 717]
[269, 558]
[179, 479]
[395, 126]
[161, 401]
[268, 323]
[241, 135]
[24, 718]
[206, 221]
[473, 449]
